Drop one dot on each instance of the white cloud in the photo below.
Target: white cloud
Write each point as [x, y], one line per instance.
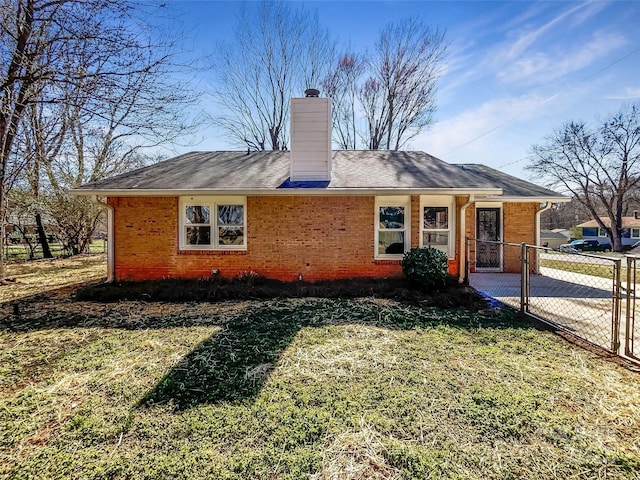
[540, 68]
[528, 51]
[523, 41]
[471, 129]
[629, 93]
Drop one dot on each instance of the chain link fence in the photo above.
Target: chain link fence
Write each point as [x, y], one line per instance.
[24, 251]
[590, 296]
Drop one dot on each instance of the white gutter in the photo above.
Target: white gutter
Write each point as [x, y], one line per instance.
[558, 199]
[463, 244]
[110, 241]
[547, 206]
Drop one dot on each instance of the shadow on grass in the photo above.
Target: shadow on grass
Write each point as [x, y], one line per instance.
[234, 364]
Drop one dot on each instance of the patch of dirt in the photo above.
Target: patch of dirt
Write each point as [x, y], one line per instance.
[450, 295]
[66, 292]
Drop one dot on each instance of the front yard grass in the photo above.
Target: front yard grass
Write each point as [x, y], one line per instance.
[304, 388]
[40, 276]
[596, 270]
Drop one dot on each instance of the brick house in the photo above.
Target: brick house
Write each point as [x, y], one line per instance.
[592, 230]
[311, 212]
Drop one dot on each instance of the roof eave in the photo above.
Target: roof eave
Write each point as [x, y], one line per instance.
[125, 192]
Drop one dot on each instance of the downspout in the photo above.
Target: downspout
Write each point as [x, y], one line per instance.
[462, 271]
[110, 240]
[547, 206]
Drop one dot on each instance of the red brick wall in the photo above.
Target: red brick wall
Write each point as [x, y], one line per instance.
[519, 227]
[318, 237]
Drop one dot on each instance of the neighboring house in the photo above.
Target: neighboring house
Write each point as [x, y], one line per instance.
[553, 239]
[311, 213]
[630, 230]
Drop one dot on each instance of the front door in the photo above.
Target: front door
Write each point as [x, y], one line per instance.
[488, 255]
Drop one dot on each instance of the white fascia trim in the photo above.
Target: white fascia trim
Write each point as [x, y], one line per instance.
[287, 192]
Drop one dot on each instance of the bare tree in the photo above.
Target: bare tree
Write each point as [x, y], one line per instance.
[564, 215]
[599, 166]
[341, 85]
[398, 98]
[277, 52]
[106, 65]
[43, 135]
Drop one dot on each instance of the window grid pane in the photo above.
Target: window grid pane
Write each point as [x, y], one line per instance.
[391, 218]
[391, 242]
[198, 235]
[198, 215]
[230, 236]
[436, 218]
[231, 215]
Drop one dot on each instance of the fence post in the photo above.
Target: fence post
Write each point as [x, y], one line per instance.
[615, 318]
[631, 305]
[524, 284]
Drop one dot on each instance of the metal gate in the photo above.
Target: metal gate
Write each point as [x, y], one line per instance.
[578, 293]
[592, 297]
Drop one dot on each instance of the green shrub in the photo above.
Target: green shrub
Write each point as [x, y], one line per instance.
[425, 267]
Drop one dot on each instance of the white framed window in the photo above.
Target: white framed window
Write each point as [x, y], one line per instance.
[437, 223]
[635, 233]
[602, 232]
[392, 226]
[213, 223]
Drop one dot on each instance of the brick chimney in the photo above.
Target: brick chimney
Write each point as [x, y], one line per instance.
[636, 215]
[310, 138]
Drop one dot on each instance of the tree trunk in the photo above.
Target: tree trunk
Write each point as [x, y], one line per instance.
[46, 251]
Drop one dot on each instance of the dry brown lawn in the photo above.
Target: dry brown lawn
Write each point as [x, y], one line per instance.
[41, 276]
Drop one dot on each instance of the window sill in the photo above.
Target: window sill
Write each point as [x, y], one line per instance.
[387, 261]
[212, 252]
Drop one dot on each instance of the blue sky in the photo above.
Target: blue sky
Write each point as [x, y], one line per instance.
[515, 70]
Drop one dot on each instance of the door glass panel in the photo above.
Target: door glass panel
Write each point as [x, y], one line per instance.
[488, 229]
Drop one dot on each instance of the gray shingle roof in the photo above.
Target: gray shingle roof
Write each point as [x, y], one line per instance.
[352, 170]
[511, 186]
